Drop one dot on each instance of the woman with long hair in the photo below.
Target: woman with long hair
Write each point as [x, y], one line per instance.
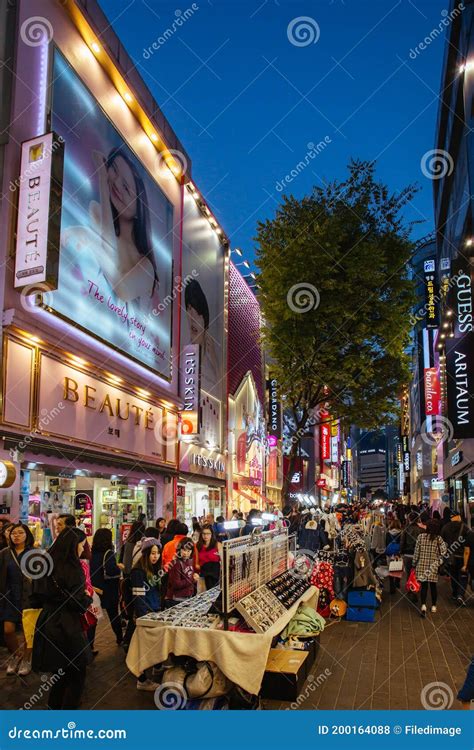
[129, 554]
[123, 217]
[209, 557]
[430, 551]
[105, 577]
[60, 645]
[146, 590]
[15, 590]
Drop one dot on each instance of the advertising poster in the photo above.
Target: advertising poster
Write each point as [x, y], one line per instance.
[116, 232]
[203, 314]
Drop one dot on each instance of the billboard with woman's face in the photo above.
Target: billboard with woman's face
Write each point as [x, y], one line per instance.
[116, 231]
[203, 313]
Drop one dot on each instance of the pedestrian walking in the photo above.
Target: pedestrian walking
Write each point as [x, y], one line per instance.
[105, 576]
[15, 591]
[60, 645]
[430, 549]
[455, 534]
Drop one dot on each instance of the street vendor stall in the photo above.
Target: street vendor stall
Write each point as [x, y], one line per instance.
[267, 602]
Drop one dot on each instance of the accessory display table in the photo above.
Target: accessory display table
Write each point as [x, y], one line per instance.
[242, 657]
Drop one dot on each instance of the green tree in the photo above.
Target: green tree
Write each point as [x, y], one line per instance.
[336, 296]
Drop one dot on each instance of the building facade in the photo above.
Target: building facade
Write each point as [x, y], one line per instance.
[112, 279]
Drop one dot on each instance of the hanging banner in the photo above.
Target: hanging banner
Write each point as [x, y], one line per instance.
[274, 409]
[325, 438]
[461, 298]
[432, 391]
[431, 294]
[189, 389]
[39, 212]
[460, 384]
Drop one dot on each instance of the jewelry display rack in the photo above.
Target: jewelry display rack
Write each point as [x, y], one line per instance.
[248, 563]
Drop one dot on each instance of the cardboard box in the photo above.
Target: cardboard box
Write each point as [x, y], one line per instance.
[285, 674]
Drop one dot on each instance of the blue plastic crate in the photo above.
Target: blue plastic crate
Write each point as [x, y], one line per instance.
[362, 599]
[361, 614]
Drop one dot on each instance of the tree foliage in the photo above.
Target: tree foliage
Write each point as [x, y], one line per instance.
[347, 245]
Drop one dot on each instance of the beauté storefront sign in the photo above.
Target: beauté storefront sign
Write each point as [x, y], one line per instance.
[39, 212]
[79, 407]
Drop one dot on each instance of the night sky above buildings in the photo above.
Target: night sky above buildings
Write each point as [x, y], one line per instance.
[246, 102]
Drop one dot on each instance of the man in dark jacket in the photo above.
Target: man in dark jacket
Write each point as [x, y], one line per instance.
[455, 534]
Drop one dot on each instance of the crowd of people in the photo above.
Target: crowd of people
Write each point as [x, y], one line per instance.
[161, 565]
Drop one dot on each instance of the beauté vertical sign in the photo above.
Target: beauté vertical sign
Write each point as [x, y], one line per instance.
[39, 212]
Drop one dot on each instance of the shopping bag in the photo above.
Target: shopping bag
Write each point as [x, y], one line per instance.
[29, 619]
[412, 585]
[96, 607]
[395, 566]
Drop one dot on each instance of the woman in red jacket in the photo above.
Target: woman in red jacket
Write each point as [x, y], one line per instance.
[209, 556]
[181, 576]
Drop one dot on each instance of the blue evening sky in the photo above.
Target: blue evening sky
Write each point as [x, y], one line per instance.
[246, 102]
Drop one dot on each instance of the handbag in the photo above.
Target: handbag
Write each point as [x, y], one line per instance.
[412, 585]
[443, 568]
[395, 566]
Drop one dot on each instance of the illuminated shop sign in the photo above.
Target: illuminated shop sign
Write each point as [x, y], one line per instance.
[39, 212]
[431, 294]
[460, 384]
[189, 389]
[207, 462]
[462, 298]
[432, 391]
[274, 409]
[325, 437]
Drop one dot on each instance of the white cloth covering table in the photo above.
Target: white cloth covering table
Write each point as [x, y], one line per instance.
[241, 656]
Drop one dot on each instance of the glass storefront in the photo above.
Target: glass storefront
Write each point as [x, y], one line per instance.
[95, 501]
[198, 500]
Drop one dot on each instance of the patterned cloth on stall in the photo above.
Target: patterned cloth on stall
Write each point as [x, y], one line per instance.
[323, 577]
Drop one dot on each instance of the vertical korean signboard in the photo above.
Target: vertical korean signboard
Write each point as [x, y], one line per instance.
[39, 212]
[431, 294]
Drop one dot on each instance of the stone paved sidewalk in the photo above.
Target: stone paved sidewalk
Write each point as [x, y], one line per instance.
[381, 665]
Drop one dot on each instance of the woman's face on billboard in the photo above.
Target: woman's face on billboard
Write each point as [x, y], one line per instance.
[196, 325]
[123, 194]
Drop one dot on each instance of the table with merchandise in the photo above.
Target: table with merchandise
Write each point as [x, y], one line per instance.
[188, 629]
